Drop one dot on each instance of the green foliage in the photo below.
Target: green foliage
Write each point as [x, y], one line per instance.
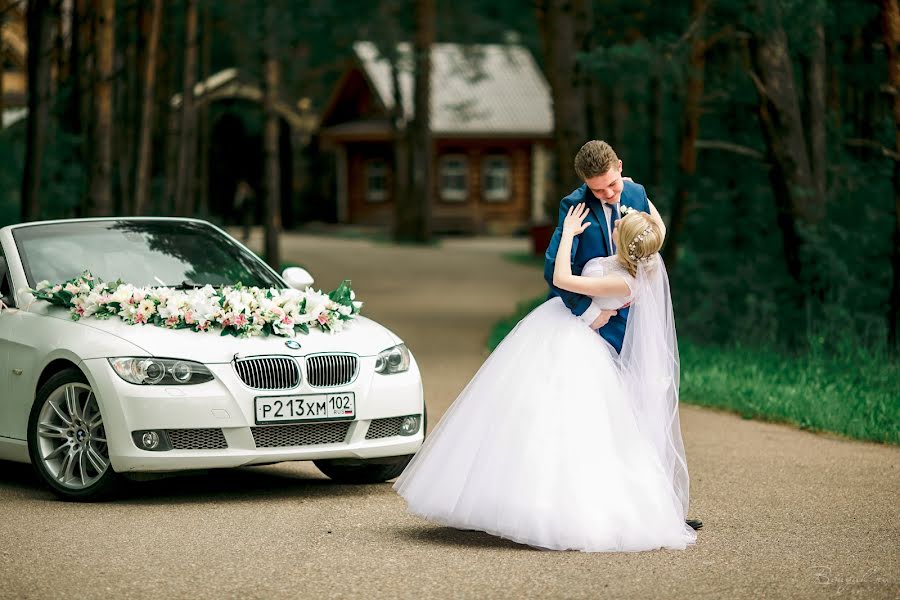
[853, 393]
[62, 177]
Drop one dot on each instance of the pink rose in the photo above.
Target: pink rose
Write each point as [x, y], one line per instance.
[322, 319]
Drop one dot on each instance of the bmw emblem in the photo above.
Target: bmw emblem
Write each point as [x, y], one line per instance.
[292, 344]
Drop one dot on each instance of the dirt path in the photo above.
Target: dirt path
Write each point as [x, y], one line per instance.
[787, 513]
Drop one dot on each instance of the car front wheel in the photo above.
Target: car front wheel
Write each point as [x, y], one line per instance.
[67, 440]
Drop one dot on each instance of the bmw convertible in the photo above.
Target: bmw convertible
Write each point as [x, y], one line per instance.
[89, 400]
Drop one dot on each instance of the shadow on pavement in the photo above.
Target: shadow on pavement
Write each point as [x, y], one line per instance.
[238, 485]
[216, 485]
[20, 480]
[447, 536]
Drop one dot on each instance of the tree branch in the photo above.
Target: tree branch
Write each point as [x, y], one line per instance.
[726, 146]
[873, 145]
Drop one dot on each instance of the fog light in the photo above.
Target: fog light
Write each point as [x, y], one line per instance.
[150, 440]
[409, 425]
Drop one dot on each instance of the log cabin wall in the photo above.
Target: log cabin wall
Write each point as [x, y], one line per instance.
[366, 207]
[482, 210]
[484, 205]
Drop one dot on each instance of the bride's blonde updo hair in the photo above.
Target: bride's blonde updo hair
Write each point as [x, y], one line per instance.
[639, 239]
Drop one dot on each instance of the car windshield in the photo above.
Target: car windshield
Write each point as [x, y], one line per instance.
[142, 253]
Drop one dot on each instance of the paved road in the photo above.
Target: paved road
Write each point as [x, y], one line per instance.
[787, 513]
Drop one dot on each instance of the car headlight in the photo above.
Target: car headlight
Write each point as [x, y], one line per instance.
[393, 360]
[160, 371]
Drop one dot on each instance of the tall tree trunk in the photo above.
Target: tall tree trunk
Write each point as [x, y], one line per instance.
[782, 128]
[128, 70]
[415, 225]
[891, 23]
[100, 195]
[559, 37]
[72, 112]
[690, 127]
[203, 118]
[401, 145]
[169, 85]
[3, 10]
[272, 173]
[657, 133]
[58, 68]
[145, 134]
[39, 16]
[816, 126]
[389, 14]
[184, 200]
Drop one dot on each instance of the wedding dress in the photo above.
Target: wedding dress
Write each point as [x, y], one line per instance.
[558, 442]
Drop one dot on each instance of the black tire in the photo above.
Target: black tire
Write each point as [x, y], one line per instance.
[375, 470]
[106, 479]
[368, 471]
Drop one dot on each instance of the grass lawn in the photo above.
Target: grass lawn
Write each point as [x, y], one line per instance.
[857, 396]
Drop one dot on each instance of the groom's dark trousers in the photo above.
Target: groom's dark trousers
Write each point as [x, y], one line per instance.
[592, 243]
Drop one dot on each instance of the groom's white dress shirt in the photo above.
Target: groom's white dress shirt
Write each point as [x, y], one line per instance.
[593, 311]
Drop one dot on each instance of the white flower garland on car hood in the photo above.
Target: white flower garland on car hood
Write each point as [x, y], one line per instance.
[237, 310]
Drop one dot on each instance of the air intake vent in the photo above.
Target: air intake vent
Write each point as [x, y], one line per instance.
[382, 428]
[268, 373]
[310, 434]
[329, 370]
[196, 439]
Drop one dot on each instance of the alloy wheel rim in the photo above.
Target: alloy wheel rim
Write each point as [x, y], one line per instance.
[71, 438]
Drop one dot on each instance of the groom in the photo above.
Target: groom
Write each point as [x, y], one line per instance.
[604, 191]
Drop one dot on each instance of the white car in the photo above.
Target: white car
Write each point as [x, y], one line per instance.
[90, 400]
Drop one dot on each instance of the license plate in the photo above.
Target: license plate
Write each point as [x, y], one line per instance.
[310, 407]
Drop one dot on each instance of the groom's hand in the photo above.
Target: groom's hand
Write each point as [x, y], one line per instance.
[603, 318]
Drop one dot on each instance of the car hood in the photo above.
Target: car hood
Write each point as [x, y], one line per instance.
[361, 336]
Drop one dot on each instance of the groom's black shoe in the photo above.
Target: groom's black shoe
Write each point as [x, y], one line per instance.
[694, 523]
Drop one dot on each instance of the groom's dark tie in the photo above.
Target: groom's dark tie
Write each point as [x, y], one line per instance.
[613, 217]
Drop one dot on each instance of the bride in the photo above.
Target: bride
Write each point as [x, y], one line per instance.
[558, 442]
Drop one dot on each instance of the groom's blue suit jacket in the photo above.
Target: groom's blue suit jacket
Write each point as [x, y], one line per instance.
[592, 243]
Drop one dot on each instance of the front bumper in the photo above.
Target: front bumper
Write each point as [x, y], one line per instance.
[226, 405]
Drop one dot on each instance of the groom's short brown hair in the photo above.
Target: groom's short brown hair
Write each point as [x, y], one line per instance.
[595, 158]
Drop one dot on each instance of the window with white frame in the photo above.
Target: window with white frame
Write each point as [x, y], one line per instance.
[496, 178]
[376, 180]
[454, 177]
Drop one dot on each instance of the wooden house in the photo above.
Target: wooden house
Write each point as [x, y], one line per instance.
[491, 122]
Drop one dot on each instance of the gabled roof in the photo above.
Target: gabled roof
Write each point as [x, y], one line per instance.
[490, 89]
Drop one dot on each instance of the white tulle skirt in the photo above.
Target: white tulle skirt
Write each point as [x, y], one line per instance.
[542, 448]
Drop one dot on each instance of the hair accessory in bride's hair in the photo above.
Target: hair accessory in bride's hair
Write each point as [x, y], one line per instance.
[632, 247]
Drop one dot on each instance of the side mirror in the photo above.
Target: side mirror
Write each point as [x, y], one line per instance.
[297, 278]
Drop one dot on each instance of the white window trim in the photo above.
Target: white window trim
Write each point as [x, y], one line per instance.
[376, 196]
[454, 195]
[503, 195]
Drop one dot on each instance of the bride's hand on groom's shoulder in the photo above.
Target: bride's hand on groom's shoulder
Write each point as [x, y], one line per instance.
[574, 222]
